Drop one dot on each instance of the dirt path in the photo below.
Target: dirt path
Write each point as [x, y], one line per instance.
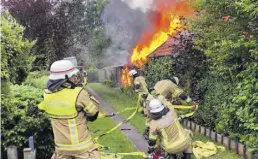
[133, 134]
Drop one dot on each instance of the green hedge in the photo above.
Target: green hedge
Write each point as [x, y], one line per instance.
[37, 79]
[17, 126]
[228, 37]
[188, 65]
[158, 69]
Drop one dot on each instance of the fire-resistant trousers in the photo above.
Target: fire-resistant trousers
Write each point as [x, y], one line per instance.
[94, 154]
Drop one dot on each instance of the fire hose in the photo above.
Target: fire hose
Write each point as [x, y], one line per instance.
[116, 155]
[195, 107]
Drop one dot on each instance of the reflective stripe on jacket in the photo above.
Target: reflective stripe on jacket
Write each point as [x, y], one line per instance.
[70, 134]
[174, 139]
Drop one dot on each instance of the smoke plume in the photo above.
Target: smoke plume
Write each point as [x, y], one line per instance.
[124, 20]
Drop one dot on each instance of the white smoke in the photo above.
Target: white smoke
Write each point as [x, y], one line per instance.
[124, 21]
[143, 5]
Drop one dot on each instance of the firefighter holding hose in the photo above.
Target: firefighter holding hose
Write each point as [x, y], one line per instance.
[139, 82]
[140, 86]
[69, 109]
[172, 92]
[165, 126]
[168, 90]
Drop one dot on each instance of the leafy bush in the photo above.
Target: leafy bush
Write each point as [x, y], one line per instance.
[228, 37]
[188, 65]
[158, 69]
[15, 59]
[37, 79]
[215, 91]
[17, 126]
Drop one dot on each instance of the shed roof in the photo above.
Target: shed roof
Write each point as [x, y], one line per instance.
[167, 48]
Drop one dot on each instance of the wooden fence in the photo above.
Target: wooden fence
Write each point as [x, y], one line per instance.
[28, 153]
[233, 145]
[106, 74]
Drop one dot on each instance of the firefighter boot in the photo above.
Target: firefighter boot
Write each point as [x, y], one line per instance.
[146, 133]
[187, 156]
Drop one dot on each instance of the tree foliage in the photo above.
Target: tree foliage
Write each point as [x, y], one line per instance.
[62, 28]
[228, 36]
[15, 59]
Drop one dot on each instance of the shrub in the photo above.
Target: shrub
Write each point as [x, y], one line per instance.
[17, 126]
[158, 69]
[37, 79]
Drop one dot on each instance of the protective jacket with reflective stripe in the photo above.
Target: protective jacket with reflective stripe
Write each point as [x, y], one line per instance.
[174, 139]
[71, 134]
[170, 91]
[140, 82]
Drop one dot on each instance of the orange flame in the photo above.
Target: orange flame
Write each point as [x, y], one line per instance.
[165, 21]
[126, 80]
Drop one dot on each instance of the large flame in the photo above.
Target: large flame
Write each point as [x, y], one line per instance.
[165, 21]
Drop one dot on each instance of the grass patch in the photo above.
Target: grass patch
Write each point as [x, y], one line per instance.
[120, 101]
[116, 141]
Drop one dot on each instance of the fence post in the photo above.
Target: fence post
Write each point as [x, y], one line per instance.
[249, 153]
[30, 153]
[12, 152]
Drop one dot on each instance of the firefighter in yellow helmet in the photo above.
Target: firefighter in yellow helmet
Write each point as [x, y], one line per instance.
[166, 127]
[69, 109]
[172, 92]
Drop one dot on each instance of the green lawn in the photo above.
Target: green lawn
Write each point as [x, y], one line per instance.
[120, 101]
[116, 141]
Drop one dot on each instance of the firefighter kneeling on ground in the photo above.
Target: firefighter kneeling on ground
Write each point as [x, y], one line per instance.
[165, 126]
[169, 90]
[69, 108]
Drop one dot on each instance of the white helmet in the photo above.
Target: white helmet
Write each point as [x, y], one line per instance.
[59, 69]
[155, 106]
[176, 80]
[132, 72]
